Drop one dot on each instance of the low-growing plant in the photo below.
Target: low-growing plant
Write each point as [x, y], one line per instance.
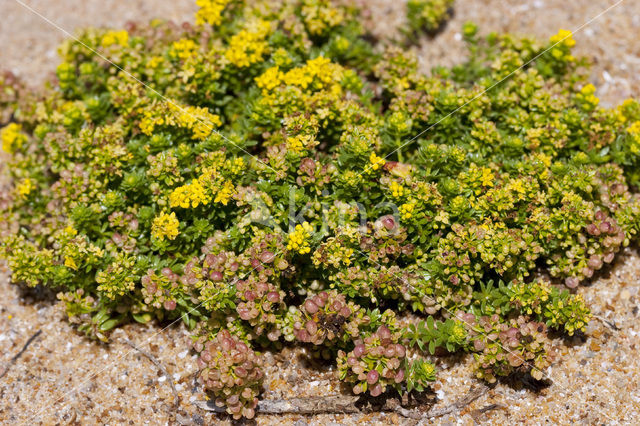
[264, 176]
[428, 15]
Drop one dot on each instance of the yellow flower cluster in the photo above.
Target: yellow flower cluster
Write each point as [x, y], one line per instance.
[564, 37]
[397, 190]
[634, 130]
[236, 166]
[165, 225]
[115, 37]
[299, 143]
[298, 239]
[183, 48]
[334, 253]
[587, 95]
[623, 109]
[270, 79]
[210, 11]
[376, 162]
[406, 210]
[320, 16]
[197, 119]
[517, 187]
[563, 41]
[248, 46]
[25, 187]
[319, 72]
[12, 137]
[154, 62]
[319, 69]
[478, 177]
[190, 195]
[70, 263]
[225, 193]
[149, 121]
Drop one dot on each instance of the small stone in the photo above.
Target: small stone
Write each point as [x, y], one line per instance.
[594, 346]
[625, 295]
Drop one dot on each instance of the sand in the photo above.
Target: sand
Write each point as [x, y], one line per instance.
[63, 378]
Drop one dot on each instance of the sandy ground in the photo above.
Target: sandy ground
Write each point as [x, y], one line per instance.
[65, 379]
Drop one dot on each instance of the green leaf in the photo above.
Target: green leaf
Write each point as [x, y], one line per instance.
[109, 324]
[142, 318]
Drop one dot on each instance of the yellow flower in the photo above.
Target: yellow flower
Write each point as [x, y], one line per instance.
[197, 119]
[479, 177]
[270, 79]
[70, 263]
[544, 158]
[376, 162]
[12, 137]
[564, 37]
[298, 239]
[487, 177]
[298, 77]
[300, 142]
[147, 123]
[225, 193]
[210, 11]
[189, 195]
[634, 128]
[587, 95]
[321, 16]
[184, 48]
[70, 230]
[397, 190]
[406, 210]
[517, 186]
[25, 187]
[236, 166]
[247, 47]
[320, 71]
[115, 37]
[154, 61]
[165, 225]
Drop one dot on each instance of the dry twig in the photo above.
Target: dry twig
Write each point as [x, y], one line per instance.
[160, 367]
[609, 323]
[334, 404]
[473, 394]
[346, 404]
[19, 354]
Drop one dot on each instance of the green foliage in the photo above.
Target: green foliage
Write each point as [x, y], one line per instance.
[260, 189]
[430, 334]
[501, 347]
[379, 361]
[428, 15]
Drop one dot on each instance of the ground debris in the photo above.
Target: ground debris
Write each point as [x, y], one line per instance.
[4, 370]
[350, 404]
[158, 364]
